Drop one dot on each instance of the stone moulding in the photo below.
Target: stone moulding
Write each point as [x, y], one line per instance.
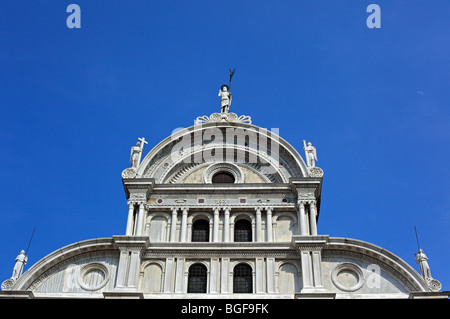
[223, 117]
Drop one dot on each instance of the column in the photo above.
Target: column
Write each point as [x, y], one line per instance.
[258, 224]
[301, 217]
[269, 224]
[312, 217]
[173, 225]
[130, 220]
[216, 225]
[184, 225]
[226, 226]
[140, 219]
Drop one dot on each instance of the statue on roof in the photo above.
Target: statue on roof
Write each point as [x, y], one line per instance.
[225, 95]
[310, 153]
[21, 261]
[225, 98]
[422, 260]
[136, 152]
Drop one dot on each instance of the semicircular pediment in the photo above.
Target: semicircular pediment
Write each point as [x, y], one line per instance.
[261, 154]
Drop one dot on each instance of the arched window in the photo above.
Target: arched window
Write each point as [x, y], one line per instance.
[197, 279]
[242, 279]
[223, 178]
[200, 231]
[242, 231]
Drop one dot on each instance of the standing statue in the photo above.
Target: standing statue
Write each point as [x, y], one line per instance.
[21, 261]
[225, 98]
[310, 154]
[422, 260]
[136, 153]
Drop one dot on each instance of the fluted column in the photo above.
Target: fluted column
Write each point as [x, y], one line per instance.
[184, 225]
[173, 225]
[312, 217]
[258, 224]
[216, 225]
[226, 226]
[269, 224]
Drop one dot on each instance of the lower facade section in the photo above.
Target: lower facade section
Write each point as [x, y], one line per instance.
[131, 267]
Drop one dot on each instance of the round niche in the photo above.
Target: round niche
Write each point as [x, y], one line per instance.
[93, 276]
[223, 173]
[347, 277]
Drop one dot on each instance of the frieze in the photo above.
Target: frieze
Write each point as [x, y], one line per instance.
[211, 253]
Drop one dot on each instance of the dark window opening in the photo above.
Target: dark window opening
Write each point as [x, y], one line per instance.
[200, 231]
[223, 178]
[242, 279]
[242, 231]
[197, 279]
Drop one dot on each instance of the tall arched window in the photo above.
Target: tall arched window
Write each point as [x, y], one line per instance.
[242, 231]
[200, 231]
[242, 279]
[197, 279]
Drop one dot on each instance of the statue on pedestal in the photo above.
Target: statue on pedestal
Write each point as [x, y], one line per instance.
[310, 154]
[136, 152]
[21, 261]
[225, 98]
[422, 260]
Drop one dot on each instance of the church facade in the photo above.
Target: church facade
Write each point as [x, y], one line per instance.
[222, 209]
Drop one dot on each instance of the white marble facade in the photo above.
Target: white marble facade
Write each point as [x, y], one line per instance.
[190, 235]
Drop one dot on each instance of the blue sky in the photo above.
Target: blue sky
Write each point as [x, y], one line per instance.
[375, 103]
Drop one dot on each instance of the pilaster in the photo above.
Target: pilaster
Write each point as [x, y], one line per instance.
[130, 260]
[311, 260]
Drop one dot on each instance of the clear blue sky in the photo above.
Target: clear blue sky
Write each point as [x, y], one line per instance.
[375, 103]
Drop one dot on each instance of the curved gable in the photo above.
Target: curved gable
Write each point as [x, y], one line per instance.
[184, 156]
